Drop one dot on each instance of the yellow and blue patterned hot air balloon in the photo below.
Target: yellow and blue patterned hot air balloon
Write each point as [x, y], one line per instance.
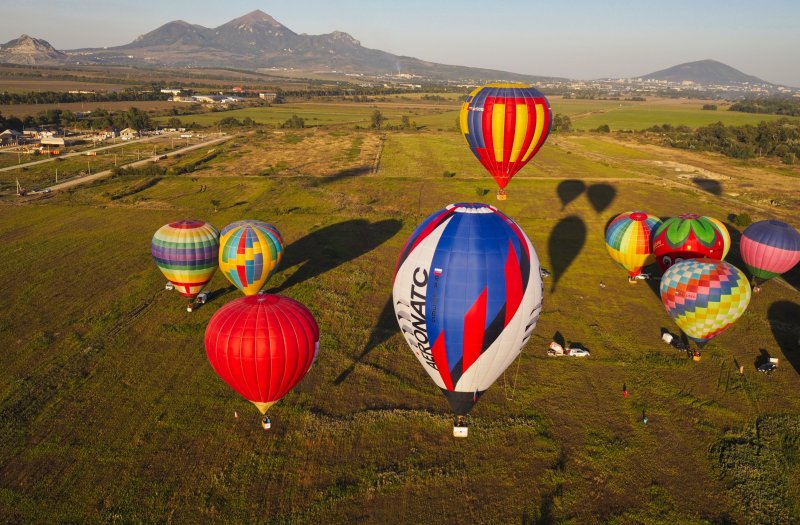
[505, 124]
[249, 254]
[704, 296]
[186, 253]
[629, 240]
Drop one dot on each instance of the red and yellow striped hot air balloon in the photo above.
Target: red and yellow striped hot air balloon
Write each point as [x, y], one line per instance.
[505, 125]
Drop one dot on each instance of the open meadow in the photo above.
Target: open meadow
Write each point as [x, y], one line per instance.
[110, 411]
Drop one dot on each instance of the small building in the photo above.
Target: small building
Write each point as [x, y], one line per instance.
[53, 141]
[9, 136]
[268, 96]
[173, 91]
[128, 134]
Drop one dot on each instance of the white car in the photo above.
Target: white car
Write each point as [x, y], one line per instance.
[577, 352]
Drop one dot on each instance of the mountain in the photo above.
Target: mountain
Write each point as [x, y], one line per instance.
[256, 40]
[705, 72]
[30, 51]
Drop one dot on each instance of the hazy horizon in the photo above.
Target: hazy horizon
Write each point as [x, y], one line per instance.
[581, 40]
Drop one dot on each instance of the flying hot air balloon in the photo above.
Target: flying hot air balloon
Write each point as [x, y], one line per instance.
[505, 125]
[704, 296]
[629, 240]
[769, 248]
[687, 236]
[467, 294]
[186, 253]
[262, 346]
[249, 254]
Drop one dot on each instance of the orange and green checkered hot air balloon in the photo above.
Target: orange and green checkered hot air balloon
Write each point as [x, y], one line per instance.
[249, 254]
[629, 240]
[505, 125]
[186, 253]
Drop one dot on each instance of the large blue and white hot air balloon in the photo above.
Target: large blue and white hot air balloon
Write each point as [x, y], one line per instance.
[467, 294]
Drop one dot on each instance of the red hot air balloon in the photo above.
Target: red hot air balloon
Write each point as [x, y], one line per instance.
[505, 125]
[262, 346]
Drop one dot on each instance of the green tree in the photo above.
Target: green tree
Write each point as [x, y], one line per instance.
[562, 123]
[377, 119]
[174, 122]
[294, 122]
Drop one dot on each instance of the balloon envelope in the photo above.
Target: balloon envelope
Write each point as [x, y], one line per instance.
[262, 346]
[726, 236]
[770, 248]
[687, 236]
[505, 124]
[704, 296]
[467, 294]
[249, 254]
[186, 253]
[629, 240]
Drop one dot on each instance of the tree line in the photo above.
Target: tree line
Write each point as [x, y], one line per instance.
[97, 119]
[771, 106]
[58, 97]
[779, 138]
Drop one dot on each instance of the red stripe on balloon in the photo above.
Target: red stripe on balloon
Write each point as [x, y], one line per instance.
[513, 283]
[440, 358]
[474, 327]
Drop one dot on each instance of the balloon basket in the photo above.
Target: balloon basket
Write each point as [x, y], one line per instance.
[501, 195]
[460, 431]
[189, 308]
[631, 280]
[266, 423]
[696, 357]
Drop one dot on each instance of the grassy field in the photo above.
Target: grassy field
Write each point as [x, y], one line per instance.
[626, 115]
[109, 411]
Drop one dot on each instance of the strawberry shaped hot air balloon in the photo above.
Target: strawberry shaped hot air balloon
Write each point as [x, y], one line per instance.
[505, 125]
[769, 248]
[629, 240]
[687, 236]
[262, 346]
[186, 253]
[704, 296]
[249, 253]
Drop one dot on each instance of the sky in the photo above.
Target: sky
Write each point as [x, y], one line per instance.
[578, 39]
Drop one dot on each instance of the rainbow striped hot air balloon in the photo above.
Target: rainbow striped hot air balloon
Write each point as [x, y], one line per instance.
[629, 240]
[687, 236]
[249, 254]
[505, 124]
[704, 296]
[770, 248]
[186, 253]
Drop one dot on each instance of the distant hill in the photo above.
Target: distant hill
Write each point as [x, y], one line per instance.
[705, 72]
[256, 40]
[30, 51]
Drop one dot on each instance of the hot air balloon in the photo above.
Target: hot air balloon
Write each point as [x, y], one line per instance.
[769, 248]
[704, 296]
[249, 254]
[726, 236]
[687, 236]
[505, 124]
[262, 346]
[629, 240]
[186, 253]
[467, 294]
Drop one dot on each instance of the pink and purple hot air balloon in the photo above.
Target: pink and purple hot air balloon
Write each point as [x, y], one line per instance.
[769, 248]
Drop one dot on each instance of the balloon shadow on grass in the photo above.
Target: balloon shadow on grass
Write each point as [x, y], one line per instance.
[784, 319]
[349, 173]
[601, 196]
[565, 244]
[708, 185]
[328, 247]
[385, 327]
[569, 190]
